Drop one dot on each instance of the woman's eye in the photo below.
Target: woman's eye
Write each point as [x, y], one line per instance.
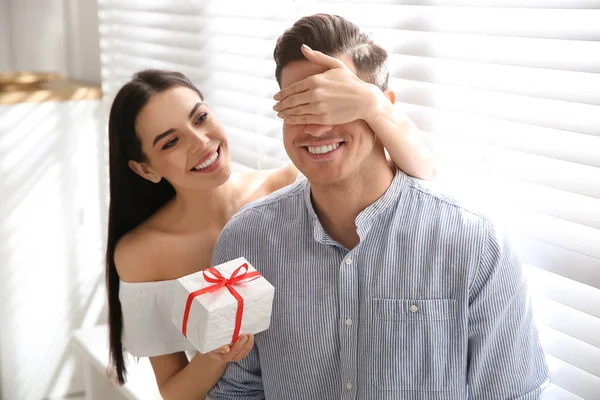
[170, 143]
[201, 118]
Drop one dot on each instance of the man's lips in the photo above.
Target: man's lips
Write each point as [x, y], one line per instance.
[317, 143]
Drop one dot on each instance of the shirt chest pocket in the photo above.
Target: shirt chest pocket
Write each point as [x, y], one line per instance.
[416, 344]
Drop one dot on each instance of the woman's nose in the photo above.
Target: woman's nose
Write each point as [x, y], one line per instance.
[198, 141]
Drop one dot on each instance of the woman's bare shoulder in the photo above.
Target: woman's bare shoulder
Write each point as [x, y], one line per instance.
[261, 183]
[140, 253]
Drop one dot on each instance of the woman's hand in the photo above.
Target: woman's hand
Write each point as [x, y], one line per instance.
[234, 352]
[334, 97]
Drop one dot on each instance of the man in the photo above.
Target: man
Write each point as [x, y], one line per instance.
[385, 289]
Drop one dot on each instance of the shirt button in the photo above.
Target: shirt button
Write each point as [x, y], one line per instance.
[349, 321]
[349, 386]
[348, 261]
[414, 308]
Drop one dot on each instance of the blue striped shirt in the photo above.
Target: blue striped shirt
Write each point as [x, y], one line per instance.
[431, 304]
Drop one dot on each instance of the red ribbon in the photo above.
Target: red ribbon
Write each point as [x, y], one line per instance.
[218, 282]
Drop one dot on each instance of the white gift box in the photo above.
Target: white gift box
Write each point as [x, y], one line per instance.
[211, 316]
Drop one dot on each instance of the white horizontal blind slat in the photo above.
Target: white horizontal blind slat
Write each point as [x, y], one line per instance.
[487, 160]
[550, 113]
[577, 87]
[573, 379]
[575, 295]
[568, 349]
[572, 24]
[115, 23]
[501, 50]
[569, 321]
[568, 235]
[548, 142]
[555, 392]
[570, 264]
[513, 193]
[488, 3]
[262, 10]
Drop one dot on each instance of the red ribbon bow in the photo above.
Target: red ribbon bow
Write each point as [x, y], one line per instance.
[219, 281]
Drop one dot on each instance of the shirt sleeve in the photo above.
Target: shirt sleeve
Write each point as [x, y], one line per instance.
[505, 359]
[241, 380]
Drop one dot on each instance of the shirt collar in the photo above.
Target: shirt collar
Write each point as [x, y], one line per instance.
[364, 219]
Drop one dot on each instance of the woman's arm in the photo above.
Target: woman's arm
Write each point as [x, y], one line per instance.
[281, 177]
[400, 136]
[338, 96]
[179, 379]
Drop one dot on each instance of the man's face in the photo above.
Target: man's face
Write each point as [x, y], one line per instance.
[326, 154]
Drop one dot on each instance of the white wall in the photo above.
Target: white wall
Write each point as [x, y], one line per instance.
[51, 35]
[38, 35]
[52, 197]
[83, 40]
[52, 187]
[5, 64]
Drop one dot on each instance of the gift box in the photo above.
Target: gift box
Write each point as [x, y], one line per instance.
[213, 307]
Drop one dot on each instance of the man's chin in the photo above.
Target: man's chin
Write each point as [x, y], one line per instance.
[321, 176]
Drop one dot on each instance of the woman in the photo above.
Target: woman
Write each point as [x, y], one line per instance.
[172, 192]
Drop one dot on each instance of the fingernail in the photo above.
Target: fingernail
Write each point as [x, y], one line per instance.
[306, 47]
[280, 115]
[276, 97]
[276, 107]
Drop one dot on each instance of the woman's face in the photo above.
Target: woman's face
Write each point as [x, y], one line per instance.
[183, 142]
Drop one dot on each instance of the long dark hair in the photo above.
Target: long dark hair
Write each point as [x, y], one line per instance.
[132, 198]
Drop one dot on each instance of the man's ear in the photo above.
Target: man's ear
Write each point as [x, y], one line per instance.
[143, 170]
[391, 95]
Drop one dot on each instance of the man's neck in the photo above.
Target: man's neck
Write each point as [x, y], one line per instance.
[337, 206]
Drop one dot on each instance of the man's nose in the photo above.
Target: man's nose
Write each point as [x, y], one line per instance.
[317, 129]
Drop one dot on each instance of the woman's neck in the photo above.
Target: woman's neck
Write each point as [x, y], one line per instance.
[191, 210]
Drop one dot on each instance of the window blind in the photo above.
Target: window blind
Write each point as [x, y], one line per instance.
[225, 47]
[506, 92]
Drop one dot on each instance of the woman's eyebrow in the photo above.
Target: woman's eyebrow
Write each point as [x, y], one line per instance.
[162, 135]
[194, 110]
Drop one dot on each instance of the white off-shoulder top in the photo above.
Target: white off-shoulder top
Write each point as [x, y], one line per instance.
[147, 327]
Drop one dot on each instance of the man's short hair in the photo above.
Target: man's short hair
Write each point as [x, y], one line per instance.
[334, 36]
